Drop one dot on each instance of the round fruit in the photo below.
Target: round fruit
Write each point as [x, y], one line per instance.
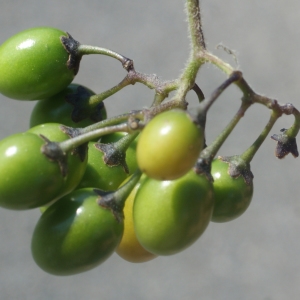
[76, 166]
[75, 234]
[57, 110]
[169, 216]
[28, 178]
[130, 248]
[33, 64]
[99, 175]
[232, 195]
[169, 145]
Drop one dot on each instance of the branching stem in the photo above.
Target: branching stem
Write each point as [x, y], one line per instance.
[198, 56]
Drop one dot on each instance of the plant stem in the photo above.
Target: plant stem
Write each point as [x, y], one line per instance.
[248, 155]
[122, 193]
[158, 99]
[294, 129]
[123, 143]
[198, 92]
[115, 201]
[189, 75]
[210, 152]
[96, 99]
[195, 26]
[74, 142]
[187, 80]
[228, 69]
[108, 122]
[87, 49]
[126, 123]
[206, 104]
[225, 67]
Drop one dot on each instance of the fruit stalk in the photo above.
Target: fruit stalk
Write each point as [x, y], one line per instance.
[248, 155]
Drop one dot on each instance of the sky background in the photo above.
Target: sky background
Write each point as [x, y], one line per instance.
[253, 257]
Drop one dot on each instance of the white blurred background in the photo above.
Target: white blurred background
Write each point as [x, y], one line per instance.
[253, 257]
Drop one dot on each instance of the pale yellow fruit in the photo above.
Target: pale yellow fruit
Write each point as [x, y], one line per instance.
[129, 248]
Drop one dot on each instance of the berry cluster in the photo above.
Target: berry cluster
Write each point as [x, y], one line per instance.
[143, 184]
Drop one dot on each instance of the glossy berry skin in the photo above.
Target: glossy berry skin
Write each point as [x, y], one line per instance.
[169, 216]
[232, 195]
[75, 235]
[130, 248]
[169, 145]
[99, 175]
[76, 167]
[33, 64]
[57, 110]
[28, 178]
